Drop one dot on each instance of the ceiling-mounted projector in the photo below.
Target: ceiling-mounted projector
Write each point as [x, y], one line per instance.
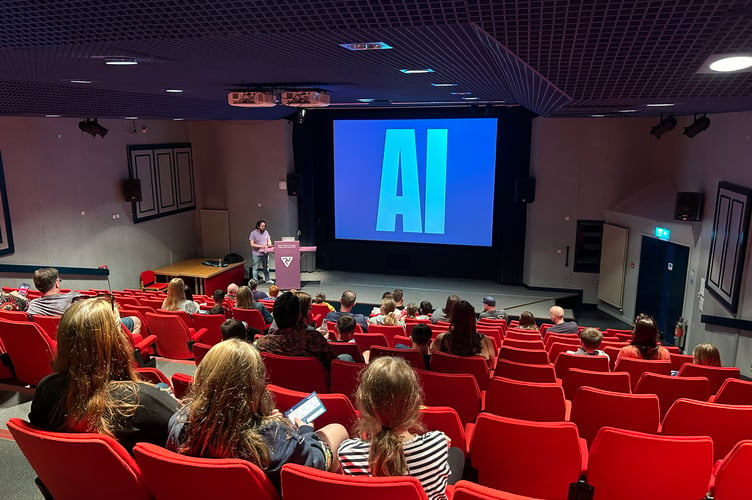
[251, 99]
[305, 98]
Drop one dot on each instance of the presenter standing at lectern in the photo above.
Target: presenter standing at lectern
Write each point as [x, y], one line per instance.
[261, 243]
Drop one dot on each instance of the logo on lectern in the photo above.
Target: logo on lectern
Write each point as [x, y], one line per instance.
[286, 260]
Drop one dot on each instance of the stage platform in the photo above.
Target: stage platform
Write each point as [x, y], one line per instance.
[370, 287]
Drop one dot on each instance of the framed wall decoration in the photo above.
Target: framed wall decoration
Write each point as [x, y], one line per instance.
[6, 232]
[728, 244]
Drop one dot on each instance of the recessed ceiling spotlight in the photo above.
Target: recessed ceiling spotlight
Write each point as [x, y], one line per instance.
[660, 105]
[471, 98]
[597, 116]
[174, 91]
[178, 119]
[627, 111]
[415, 71]
[80, 81]
[444, 84]
[52, 116]
[366, 99]
[120, 61]
[130, 117]
[726, 63]
[461, 93]
[366, 46]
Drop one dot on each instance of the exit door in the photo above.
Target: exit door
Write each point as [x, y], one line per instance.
[660, 284]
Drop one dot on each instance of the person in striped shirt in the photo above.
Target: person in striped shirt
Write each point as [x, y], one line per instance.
[389, 398]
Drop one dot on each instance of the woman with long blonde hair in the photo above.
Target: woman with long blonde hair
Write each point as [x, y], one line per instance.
[389, 398]
[232, 377]
[175, 300]
[94, 387]
[388, 314]
[244, 300]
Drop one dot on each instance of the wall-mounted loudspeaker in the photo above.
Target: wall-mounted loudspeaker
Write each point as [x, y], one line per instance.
[294, 184]
[524, 190]
[132, 190]
[688, 206]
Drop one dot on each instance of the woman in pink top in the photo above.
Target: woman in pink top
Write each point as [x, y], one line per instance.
[644, 343]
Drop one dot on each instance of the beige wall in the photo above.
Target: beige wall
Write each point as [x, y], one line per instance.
[612, 169]
[51, 179]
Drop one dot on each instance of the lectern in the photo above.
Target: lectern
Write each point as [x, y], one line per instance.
[287, 268]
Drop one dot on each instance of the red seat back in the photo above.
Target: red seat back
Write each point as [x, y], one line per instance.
[252, 317]
[172, 335]
[526, 400]
[734, 392]
[669, 389]
[613, 480]
[595, 408]
[716, 375]
[389, 331]
[344, 377]
[75, 465]
[725, 424]
[446, 420]
[350, 348]
[609, 381]
[213, 325]
[305, 483]
[412, 356]
[636, 367]
[553, 447]
[527, 356]
[564, 362]
[366, 340]
[48, 324]
[523, 371]
[679, 360]
[30, 350]
[732, 474]
[474, 365]
[171, 476]
[300, 373]
[459, 391]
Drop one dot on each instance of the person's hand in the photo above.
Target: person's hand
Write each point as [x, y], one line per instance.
[299, 423]
[276, 413]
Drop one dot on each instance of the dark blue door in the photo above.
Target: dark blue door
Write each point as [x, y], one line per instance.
[660, 285]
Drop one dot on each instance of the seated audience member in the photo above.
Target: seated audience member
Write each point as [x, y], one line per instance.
[388, 398]
[232, 376]
[347, 302]
[644, 343]
[424, 310]
[273, 292]
[320, 298]
[527, 321]
[388, 315]
[52, 302]
[421, 336]
[244, 300]
[292, 338]
[398, 296]
[462, 339]
[591, 339]
[377, 309]
[218, 297]
[176, 299]
[13, 301]
[233, 329]
[94, 387]
[490, 311]
[232, 291]
[305, 308]
[445, 315]
[257, 294]
[707, 354]
[556, 314]
[345, 328]
[411, 311]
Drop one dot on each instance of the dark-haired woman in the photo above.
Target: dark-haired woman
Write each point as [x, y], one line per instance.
[463, 339]
[644, 343]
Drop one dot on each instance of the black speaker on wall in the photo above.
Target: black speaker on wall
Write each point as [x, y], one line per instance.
[524, 190]
[132, 190]
[294, 184]
[688, 206]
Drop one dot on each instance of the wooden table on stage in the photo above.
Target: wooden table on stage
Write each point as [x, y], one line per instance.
[203, 277]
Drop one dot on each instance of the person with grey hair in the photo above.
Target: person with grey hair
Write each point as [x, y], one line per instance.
[257, 294]
[490, 311]
[556, 314]
[347, 302]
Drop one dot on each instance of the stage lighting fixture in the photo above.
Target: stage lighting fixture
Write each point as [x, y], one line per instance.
[666, 124]
[92, 127]
[697, 126]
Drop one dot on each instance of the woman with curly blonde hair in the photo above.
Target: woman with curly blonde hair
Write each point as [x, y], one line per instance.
[94, 387]
[230, 414]
[389, 398]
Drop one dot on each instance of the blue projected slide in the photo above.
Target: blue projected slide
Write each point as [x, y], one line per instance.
[415, 181]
